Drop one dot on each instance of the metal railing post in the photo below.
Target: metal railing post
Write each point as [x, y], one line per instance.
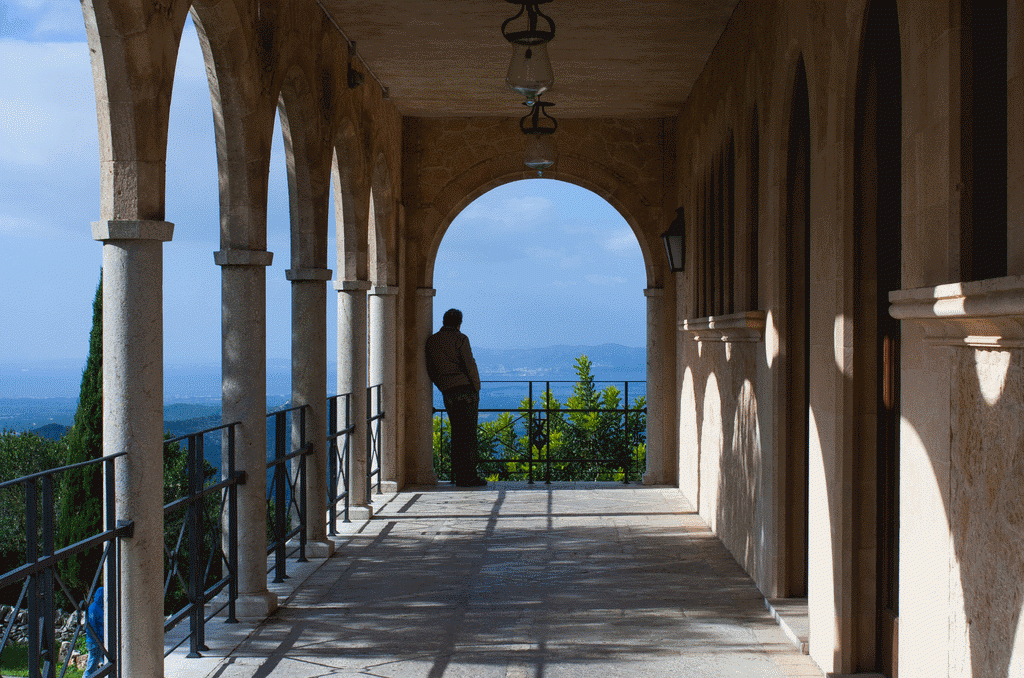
[629, 439]
[547, 437]
[302, 482]
[232, 491]
[280, 504]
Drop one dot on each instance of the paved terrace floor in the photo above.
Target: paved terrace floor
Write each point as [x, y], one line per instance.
[516, 581]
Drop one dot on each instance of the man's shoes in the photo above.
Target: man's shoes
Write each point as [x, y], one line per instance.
[473, 482]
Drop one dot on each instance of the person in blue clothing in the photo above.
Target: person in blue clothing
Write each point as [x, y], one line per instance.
[94, 633]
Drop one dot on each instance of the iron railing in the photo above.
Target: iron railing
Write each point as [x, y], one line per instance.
[200, 535]
[201, 531]
[286, 489]
[339, 438]
[40, 579]
[374, 421]
[604, 442]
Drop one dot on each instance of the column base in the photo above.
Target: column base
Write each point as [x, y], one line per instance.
[386, 487]
[255, 606]
[315, 549]
[360, 512]
[653, 479]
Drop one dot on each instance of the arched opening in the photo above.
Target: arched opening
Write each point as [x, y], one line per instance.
[797, 239]
[279, 289]
[192, 312]
[876, 383]
[538, 260]
[545, 271]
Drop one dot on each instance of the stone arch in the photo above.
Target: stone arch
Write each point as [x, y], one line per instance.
[133, 103]
[243, 113]
[508, 167]
[308, 164]
[351, 202]
[383, 267]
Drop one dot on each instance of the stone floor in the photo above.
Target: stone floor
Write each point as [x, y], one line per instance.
[516, 581]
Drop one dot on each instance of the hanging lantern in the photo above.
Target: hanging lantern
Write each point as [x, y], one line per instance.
[541, 151]
[529, 71]
[529, 31]
[525, 28]
[675, 242]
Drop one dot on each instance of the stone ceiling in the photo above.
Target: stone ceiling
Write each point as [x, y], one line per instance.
[611, 58]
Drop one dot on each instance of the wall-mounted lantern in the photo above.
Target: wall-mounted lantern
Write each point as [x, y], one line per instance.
[675, 242]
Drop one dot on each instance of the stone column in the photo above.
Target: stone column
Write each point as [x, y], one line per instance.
[382, 371]
[657, 393]
[309, 387]
[421, 415]
[244, 399]
[352, 380]
[133, 390]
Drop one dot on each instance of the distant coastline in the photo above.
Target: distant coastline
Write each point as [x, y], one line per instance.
[40, 394]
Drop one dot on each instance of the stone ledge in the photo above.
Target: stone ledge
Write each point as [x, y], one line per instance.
[137, 229]
[352, 285]
[981, 314]
[239, 257]
[735, 327]
[308, 274]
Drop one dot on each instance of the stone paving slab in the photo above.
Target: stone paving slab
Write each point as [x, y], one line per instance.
[517, 581]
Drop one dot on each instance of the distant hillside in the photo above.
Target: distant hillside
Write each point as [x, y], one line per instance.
[611, 362]
[51, 431]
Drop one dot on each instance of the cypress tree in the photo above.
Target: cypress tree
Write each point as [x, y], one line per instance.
[80, 503]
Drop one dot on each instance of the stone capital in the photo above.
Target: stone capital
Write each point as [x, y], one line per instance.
[233, 257]
[308, 274]
[654, 292]
[426, 292]
[132, 230]
[384, 290]
[352, 285]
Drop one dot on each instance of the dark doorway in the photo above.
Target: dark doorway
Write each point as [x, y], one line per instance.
[877, 226]
[798, 345]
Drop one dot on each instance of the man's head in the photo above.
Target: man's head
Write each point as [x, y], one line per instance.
[452, 318]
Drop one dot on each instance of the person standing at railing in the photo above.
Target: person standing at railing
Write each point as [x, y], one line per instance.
[94, 633]
[453, 370]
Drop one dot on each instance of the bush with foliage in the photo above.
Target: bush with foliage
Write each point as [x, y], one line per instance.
[589, 438]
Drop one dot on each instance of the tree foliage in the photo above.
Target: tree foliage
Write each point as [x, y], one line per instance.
[21, 454]
[80, 506]
[590, 437]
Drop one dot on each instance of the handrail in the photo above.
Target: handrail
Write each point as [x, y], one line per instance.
[199, 535]
[374, 418]
[39, 570]
[537, 432]
[287, 491]
[338, 458]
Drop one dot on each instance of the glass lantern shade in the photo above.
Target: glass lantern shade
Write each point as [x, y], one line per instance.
[529, 71]
[675, 242]
[541, 151]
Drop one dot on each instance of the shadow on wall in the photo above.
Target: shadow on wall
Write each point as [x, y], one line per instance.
[986, 505]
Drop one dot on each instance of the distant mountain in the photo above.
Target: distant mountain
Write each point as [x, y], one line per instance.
[612, 362]
[52, 431]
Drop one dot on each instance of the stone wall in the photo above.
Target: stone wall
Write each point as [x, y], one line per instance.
[986, 511]
[960, 560]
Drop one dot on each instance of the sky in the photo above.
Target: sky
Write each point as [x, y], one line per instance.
[531, 264]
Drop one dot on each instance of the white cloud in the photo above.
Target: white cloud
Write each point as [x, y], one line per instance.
[605, 280]
[47, 103]
[621, 241]
[518, 213]
[557, 258]
[42, 19]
